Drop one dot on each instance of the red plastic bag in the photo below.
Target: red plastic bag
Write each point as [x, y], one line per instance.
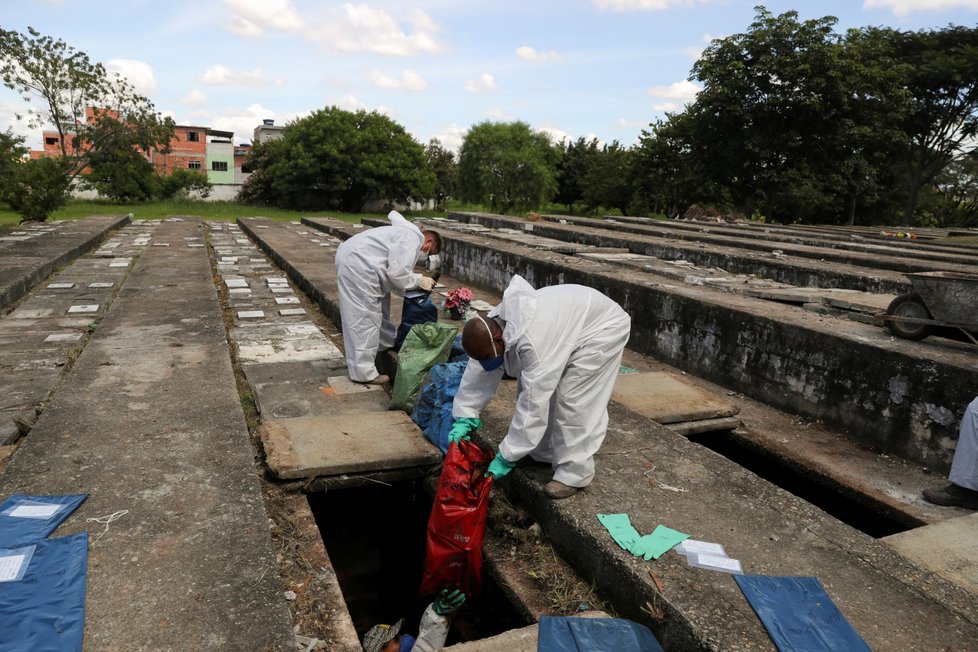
[457, 526]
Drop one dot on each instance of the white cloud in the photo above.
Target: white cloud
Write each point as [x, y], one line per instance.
[451, 137]
[194, 98]
[361, 28]
[250, 18]
[904, 7]
[218, 75]
[639, 5]
[530, 54]
[632, 124]
[556, 135]
[697, 51]
[497, 114]
[409, 81]
[347, 102]
[684, 91]
[665, 106]
[483, 84]
[8, 118]
[138, 73]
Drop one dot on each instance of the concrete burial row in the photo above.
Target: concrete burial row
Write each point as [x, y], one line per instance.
[658, 476]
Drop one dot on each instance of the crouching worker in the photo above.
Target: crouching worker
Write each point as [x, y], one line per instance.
[432, 631]
[963, 489]
[564, 345]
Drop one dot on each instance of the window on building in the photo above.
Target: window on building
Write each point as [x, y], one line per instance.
[193, 136]
[51, 141]
[193, 165]
[219, 166]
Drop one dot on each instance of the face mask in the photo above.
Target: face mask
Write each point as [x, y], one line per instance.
[492, 363]
[434, 262]
[423, 257]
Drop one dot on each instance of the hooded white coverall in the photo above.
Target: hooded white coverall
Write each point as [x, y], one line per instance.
[964, 465]
[564, 344]
[369, 266]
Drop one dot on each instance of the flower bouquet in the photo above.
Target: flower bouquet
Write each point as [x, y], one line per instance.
[457, 301]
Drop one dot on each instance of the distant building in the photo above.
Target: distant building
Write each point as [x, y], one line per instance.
[267, 130]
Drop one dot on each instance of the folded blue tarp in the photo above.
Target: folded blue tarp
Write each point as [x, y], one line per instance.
[45, 610]
[564, 634]
[799, 615]
[433, 411]
[25, 519]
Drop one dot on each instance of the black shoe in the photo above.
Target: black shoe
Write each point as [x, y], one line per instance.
[952, 496]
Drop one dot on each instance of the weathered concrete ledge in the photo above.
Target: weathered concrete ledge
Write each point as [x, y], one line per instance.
[800, 272]
[904, 398]
[25, 264]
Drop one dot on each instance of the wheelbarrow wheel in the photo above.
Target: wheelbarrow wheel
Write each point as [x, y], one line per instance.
[912, 306]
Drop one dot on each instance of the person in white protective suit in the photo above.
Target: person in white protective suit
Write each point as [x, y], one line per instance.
[369, 266]
[432, 631]
[564, 344]
[963, 490]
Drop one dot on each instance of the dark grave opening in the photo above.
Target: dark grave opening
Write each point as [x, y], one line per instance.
[774, 470]
[375, 536]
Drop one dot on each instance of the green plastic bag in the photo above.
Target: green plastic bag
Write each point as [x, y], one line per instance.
[425, 346]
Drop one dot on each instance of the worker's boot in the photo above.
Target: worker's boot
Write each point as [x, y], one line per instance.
[558, 490]
[952, 496]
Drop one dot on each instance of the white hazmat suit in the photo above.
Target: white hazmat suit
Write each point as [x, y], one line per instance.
[964, 465]
[564, 345]
[369, 266]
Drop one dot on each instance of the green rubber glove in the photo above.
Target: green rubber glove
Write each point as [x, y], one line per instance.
[447, 602]
[499, 467]
[462, 427]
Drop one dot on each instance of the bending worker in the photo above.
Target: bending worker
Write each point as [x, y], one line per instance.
[564, 344]
[369, 266]
[963, 490]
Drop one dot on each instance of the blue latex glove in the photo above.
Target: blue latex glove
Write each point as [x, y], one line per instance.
[499, 467]
[462, 427]
[447, 602]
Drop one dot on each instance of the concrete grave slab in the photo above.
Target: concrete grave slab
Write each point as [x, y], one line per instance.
[100, 284]
[296, 389]
[291, 312]
[63, 337]
[667, 398]
[84, 308]
[949, 548]
[236, 283]
[279, 289]
[326, 445]
[120, 262]
[251, 314]
[286, 300]
[240, 291]
[60, 286]
[289, 351]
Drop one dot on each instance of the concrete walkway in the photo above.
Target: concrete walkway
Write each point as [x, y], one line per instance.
[149, 424]
[657, 476]
[31, 253]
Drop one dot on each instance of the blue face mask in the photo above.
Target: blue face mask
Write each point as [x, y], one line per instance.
[407, 642]
[492, 363]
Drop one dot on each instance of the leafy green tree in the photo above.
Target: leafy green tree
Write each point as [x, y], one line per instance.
[666, 174]
[442, 162]
[39, 187]
[954, 194]
[941, 77]
[507, 166]
[119, 172]
[336, 159]
[610, 178]
[186, 182]
[12, 153]
[88, 107]
[573, 162]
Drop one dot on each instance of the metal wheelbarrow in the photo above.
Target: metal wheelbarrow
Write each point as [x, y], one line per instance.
[947, 299]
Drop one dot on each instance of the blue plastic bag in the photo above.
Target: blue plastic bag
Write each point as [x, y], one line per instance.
[26, 519]
[433, 411]
[418, 309]
[565, 634]
[45, 610]
[798, 614]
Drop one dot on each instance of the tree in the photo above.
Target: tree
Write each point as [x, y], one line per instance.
[609, 179]
[442, 163]
[772, 124]
[89, 108]
[336, 159]
[39, 187]
[184, 181]
[941, 76]
[12, 152]
[507, 166]
[573, 162]
[667, 177]
[118, 171]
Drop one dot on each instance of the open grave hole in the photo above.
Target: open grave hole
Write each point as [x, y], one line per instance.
[845, 508]
[375, 538]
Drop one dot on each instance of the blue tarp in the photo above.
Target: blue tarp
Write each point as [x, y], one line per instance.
[418, 309]
[46, 609]
[564, 634]
[433, 411]
[26, 519]
[799, 615]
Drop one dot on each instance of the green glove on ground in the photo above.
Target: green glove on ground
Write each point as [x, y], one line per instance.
[500, 467]
[462, 427]
[447, 602]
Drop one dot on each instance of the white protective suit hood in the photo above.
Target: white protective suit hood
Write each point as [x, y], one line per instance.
[517, 309]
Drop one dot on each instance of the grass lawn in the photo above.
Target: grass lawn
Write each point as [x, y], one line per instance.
[223, 211]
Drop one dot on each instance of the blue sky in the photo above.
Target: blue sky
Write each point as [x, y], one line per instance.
[601, 68]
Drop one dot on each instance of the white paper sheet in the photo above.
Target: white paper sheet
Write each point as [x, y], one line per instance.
[35, 511]
[692, 546]
[10, 566]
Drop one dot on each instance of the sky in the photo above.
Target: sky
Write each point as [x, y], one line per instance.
[600, 69]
